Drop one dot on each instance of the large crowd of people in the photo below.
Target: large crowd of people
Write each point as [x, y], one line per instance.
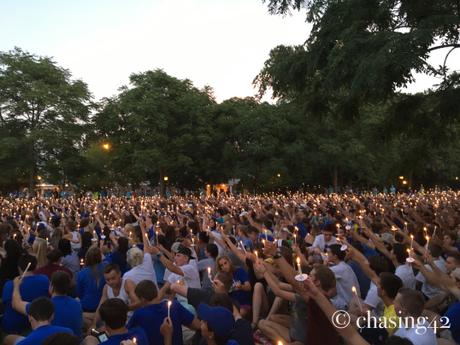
[294, 268]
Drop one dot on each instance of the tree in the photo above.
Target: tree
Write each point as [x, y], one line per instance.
[48, 109]
[160, 126]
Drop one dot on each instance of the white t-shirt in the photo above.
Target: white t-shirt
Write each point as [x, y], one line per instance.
[191, 276]
[346, 279]
[406, 273]
[321, 243]
[374, 301]
[425, 336]
[427, 289]
[144, 271]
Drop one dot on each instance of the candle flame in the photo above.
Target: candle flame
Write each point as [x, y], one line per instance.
[353, 289]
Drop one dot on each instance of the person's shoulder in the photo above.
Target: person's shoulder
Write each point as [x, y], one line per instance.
[140, 334]
[39, 278]
[60, 329]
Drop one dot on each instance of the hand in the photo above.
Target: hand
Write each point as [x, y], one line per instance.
[154, 250]
[166, 328]
[310, 288]
[127, 342]
[260, 267]
[17, 282]
[270, 248]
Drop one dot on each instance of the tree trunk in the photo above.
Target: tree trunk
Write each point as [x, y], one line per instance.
[335, 178]
[32, 170]
[162, 184]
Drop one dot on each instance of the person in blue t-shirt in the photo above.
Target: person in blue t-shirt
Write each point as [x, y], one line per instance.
[67, 311]
[40, 314]
[113, 313]
[90, 282]
[217, 323]
[32, 287]
[453, 315]
[241, 288]
[155, 310]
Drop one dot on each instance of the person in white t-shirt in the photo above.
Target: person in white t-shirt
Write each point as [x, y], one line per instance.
[325, 239]
[344, 275]
[142, 266]
[181, 269]
[409, 304]
[427, 289]
[403, 269]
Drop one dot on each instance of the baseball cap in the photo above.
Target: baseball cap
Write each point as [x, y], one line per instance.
[219, 319]
[184, 251]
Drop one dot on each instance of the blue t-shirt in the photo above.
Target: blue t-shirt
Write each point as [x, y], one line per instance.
[453, 313]
[116, 258]
[138, 333]
[40, 334]
[242, 297]
[67, 313]
[31, 288]
[151, 317]
[88, 289]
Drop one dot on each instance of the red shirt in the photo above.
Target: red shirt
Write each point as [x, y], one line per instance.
[49, 269]
[320, 331]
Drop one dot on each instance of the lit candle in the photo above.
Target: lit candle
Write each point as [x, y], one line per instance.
[147, 238]
[353, 289]
[298, 265]
[209, 273]
[25, 271]
[257, 255]
[427, 244]
[242, 246]
[169, 309]
[295, 238]
[134, 340]
[411, 242]
[82, 262]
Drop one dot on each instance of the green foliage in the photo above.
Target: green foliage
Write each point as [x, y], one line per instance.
[44, 110]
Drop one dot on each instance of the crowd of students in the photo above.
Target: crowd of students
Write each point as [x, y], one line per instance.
[294, 268]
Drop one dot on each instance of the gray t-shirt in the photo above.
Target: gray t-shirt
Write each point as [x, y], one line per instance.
[298, 331]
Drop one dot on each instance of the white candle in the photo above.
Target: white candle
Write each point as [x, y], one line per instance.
[169, 309]
[295, 239]
[242, 246]
[353, 289]
[209, 273]
[25, 271]
[298, 265]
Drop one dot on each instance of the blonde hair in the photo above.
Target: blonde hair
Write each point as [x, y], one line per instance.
[39, 249]
[135, 257]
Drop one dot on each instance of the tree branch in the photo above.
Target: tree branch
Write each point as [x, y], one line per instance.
[455, 45]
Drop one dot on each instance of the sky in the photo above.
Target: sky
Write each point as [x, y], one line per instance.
[220, 43]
